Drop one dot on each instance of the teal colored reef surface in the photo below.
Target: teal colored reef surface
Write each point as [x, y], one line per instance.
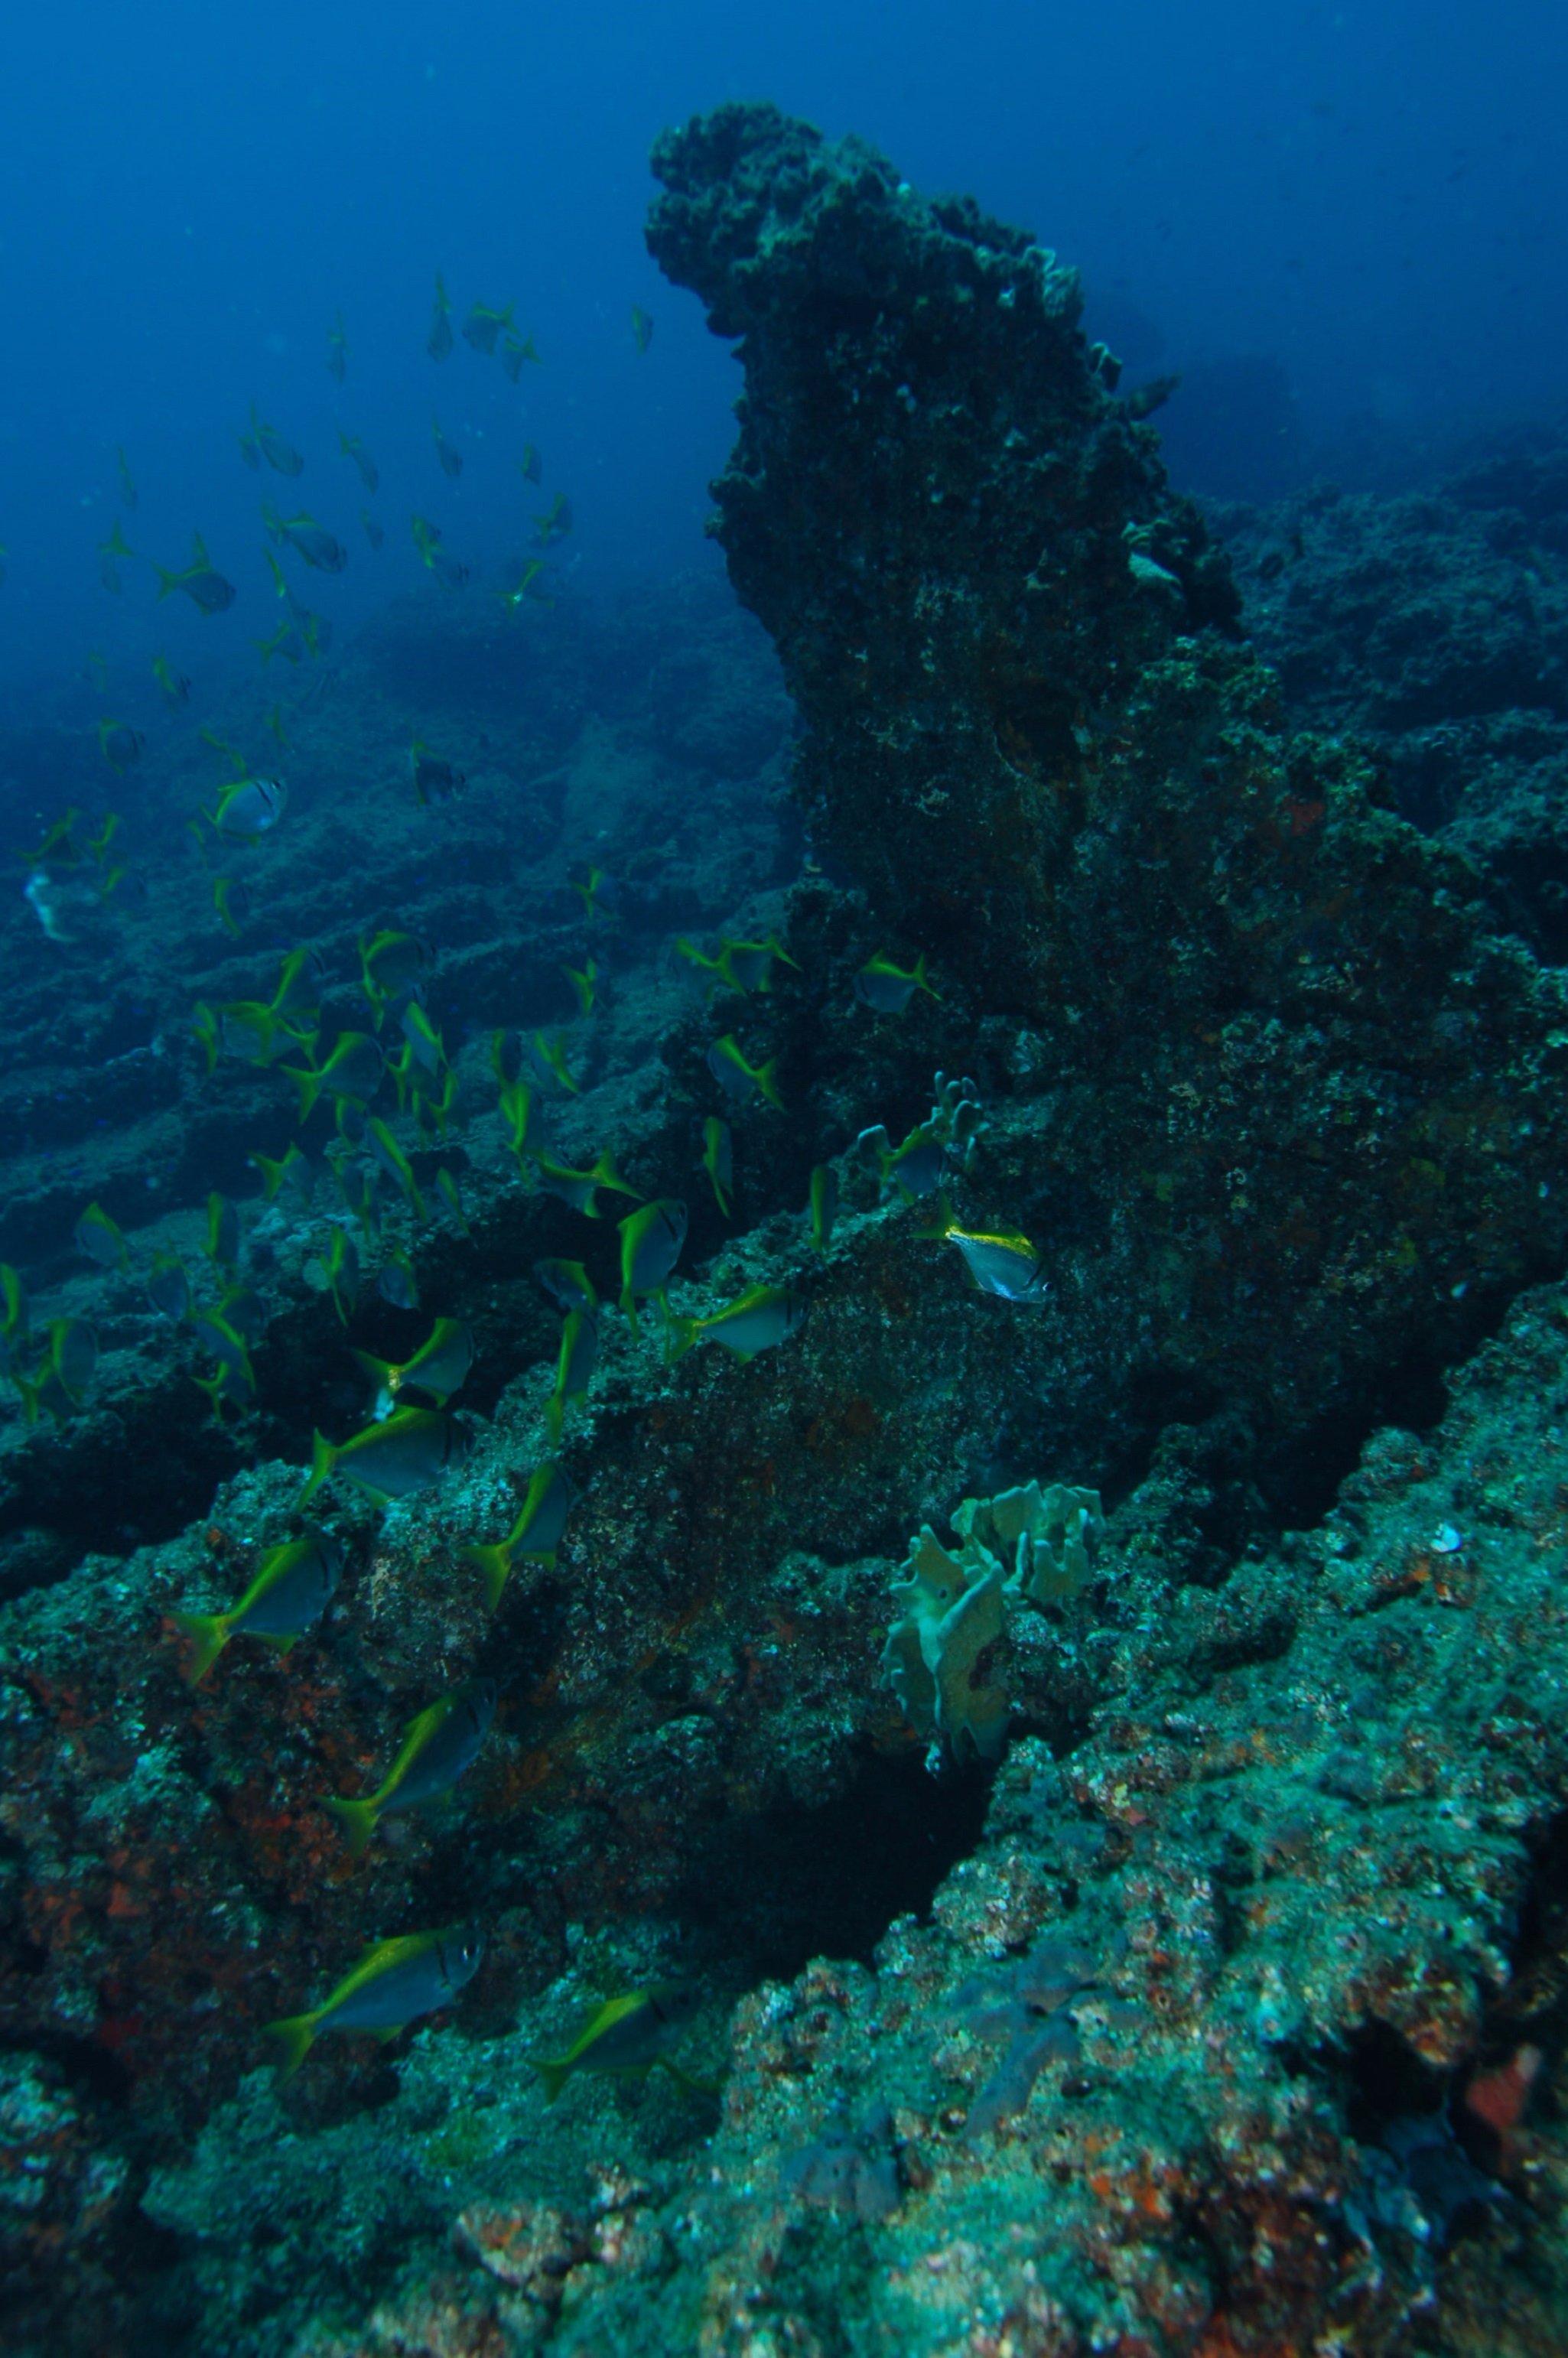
[783, 1501]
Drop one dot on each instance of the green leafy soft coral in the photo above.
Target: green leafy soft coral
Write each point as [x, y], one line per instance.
[942, 1659]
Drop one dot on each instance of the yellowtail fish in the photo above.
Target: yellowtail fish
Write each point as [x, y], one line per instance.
[308, 539]
[579, 1188]
[340, 1267]
[59, 848]
[426, 1045]
[917, 1166]
[766, 1316]
[397, 1281]
[449, 571]
[641, 327]
[1006, 1265]
[300, 976]
[584, 981]
[98, 845]
[128, 488]
[60, 1379]
[287, 641]
[513, 352]
[548, 1060]
[438, 343]
[201, 582]
[887, 989]
[373, 531]
[568, 1283]
[523, 592]
[250, 808]
[280, 456]
[119, 743]
[435, 781]
[353, 1070]
[719, 1160]
[292, 1586]
[174, 686]
[390, 1460]
[100, 1238]
[739, 966]
[438, 1367]
[599, 895]
[651, 1241]
[438, 1746]
[110, 553]
[351, 447]
[338, 354]
[556, 520]
[449, 457]
[823, 1205]
[395, 1163]
[451, 1196]
[222, 1240]
[291, 1179]
[628, 2035]
[220, 1339]
[390, 963]
[534, 1536]
[392, 1984]
[12, 1301]
[431, 1110]
[749, 964]
[252, 1032]
[737, 1078]
[358, 1187]
[516, 1108]
[530, 466]
[575, 1364]
[168, 1287]
[249, 451]
[228, 1386]
[484, 324]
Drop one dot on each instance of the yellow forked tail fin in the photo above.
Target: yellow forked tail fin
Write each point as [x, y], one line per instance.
[294, 2036]
[496, 1564]
[357, 1819]
[211, 1632]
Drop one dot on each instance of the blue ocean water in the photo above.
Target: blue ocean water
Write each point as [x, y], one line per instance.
[1367, 198]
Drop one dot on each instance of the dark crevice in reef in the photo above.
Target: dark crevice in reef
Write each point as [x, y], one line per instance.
[770, 1892]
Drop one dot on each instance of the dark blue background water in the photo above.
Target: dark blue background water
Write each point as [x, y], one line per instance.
[1370, 197]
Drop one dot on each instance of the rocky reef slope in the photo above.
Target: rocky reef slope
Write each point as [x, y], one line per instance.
[1200, 2025]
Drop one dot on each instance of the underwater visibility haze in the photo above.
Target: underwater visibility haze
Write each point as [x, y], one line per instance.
[783, 1222]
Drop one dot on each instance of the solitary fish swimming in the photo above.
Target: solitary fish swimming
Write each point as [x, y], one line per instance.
[1006, 1265]
[628, 2035]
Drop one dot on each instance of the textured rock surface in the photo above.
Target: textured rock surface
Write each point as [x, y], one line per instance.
[1435, 626]
[1177, 2057]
